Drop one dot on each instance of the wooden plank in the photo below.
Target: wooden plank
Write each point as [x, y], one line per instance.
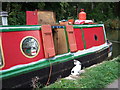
[46, 17]
[71, 38]
[60, 41]
[48, 43]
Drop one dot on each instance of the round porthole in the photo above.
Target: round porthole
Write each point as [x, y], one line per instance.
[29, 47]
[95, 37]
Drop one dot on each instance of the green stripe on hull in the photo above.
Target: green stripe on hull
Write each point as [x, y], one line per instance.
[42, 64]
[19, 28]
[88, 26]
[38, 27]
[37, 66]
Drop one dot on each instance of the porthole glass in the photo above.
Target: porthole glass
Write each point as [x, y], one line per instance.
[95, 37]
[30, 46]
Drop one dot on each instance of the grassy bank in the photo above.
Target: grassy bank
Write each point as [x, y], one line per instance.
[95, 77]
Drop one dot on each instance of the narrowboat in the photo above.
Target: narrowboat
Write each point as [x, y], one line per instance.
[40, 52]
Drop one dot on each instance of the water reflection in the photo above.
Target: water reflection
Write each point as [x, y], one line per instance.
[114, 37]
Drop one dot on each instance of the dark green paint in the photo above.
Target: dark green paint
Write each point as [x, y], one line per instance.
[67, 39]
[83, 38]
[38, 27]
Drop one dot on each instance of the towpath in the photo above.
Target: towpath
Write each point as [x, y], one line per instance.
[115, 84]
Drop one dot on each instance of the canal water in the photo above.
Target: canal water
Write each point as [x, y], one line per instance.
[114, 37]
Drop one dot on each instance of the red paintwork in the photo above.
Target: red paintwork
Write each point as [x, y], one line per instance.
[78, 37]
[11, 43]
[48, 41]
[71, 38]
[31, 18]
[89, 36]
[11, 48]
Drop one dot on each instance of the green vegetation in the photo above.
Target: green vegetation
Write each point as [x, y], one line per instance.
[100, 12]
[112, 23]
[94, 77]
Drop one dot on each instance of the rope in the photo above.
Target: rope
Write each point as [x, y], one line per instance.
[114, 41]
[49, 72]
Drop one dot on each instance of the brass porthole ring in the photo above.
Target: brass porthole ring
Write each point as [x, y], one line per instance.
[30, 46]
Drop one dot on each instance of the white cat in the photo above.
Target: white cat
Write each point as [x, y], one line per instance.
[76, 69]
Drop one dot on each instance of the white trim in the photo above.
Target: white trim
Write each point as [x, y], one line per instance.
[19, 27]
[90, 50]
[93, 49]
[104, 32]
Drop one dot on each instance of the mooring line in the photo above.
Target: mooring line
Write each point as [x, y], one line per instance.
[114, 41]
[50, 72]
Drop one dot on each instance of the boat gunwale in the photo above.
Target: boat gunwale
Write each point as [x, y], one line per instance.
[12, 28]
